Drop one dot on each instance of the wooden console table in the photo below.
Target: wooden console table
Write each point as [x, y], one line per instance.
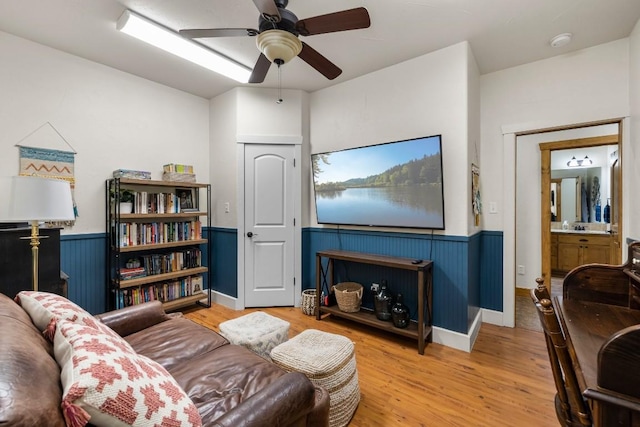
[419, 330]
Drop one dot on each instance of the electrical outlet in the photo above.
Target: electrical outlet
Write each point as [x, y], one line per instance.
[375, 287]
[226, 207]
[521, 270]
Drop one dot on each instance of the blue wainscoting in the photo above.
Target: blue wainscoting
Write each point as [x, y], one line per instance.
[474, 275]
[224, 244]
[491, 262]
[458, 268]
[467, 272]
[83, 259]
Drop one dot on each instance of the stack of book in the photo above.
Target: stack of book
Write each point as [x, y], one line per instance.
[132, 273]
[133, 174]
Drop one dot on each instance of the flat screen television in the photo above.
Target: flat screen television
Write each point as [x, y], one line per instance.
[395, 184]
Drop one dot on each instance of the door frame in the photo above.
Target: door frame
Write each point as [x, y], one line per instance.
[509, 173]
[545, 178]
[296, 141]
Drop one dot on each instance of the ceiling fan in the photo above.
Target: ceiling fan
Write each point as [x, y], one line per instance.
[278, 31]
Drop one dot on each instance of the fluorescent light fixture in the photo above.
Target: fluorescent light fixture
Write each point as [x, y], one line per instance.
[170, 41]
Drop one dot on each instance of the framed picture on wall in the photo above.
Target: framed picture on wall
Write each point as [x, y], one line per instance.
[187, 199]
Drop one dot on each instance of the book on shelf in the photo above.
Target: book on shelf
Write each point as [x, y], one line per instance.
[170, 262]
[145, 202]
[132, 273]
[186, 199]
[149, 233]
[163, 292]
[133, 174]
[197, 285]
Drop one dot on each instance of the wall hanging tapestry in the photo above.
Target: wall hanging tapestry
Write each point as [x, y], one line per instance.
[476, 203]
[47, 162]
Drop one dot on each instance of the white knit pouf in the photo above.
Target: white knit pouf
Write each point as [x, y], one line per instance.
[328, 360]
[257, 331]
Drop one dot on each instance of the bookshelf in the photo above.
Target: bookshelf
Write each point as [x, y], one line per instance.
[155, 244]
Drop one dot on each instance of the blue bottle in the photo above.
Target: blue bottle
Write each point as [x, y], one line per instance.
[598, 211]
[607, 213]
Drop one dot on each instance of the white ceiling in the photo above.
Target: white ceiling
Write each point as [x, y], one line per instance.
[502, 34]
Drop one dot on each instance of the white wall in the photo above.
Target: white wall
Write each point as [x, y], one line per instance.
[111, 119]
[584, 86]
[223, 126]
[424, 96]
[632, 154]
[250, 113]
[591, 84]
[260, 114]
[473, 134]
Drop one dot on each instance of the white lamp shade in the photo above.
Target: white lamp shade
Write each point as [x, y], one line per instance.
[278, 44]
[40, 199]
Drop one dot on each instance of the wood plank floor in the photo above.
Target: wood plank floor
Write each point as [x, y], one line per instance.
[504, 381]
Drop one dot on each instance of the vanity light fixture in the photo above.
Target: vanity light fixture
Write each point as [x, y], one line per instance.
[172, 42]
[573, 163]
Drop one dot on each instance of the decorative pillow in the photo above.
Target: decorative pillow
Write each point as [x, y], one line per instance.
[45, 309]
[113, 386]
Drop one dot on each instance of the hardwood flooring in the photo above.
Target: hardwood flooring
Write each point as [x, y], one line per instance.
[504, 381]
[526, 314]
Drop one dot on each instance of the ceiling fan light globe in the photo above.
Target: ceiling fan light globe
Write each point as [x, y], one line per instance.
[278, 44]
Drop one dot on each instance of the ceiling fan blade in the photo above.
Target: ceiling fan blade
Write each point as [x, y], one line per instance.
[218, 32]
[260, 70]
[268, 10]
[319, 62]
[352, 19]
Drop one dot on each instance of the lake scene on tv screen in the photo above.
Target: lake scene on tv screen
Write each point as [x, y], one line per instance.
[396, 184]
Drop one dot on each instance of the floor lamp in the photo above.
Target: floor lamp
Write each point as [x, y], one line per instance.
[35, 199]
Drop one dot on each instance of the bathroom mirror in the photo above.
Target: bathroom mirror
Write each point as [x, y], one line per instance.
[578, 191]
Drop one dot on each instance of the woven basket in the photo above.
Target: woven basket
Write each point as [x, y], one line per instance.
[348, 296]
[178, 177]
[309, 302]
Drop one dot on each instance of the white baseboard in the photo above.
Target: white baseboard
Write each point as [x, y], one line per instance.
[458, 340]
[225, 300]
[493, 317]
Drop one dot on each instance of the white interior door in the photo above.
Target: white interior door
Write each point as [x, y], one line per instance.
[269, 225]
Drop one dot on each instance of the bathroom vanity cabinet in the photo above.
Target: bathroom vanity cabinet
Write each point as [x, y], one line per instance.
[569, 250]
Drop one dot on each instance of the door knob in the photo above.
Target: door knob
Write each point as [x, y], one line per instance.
[250, 234]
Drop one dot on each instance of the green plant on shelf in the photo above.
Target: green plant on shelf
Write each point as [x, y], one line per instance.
[125, 196]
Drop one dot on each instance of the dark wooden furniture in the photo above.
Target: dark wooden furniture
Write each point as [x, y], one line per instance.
[16, 262]
[419, 330]
[600, 317]
[570, 405]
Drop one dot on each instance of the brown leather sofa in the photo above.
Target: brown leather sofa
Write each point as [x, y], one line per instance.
[230, 385]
